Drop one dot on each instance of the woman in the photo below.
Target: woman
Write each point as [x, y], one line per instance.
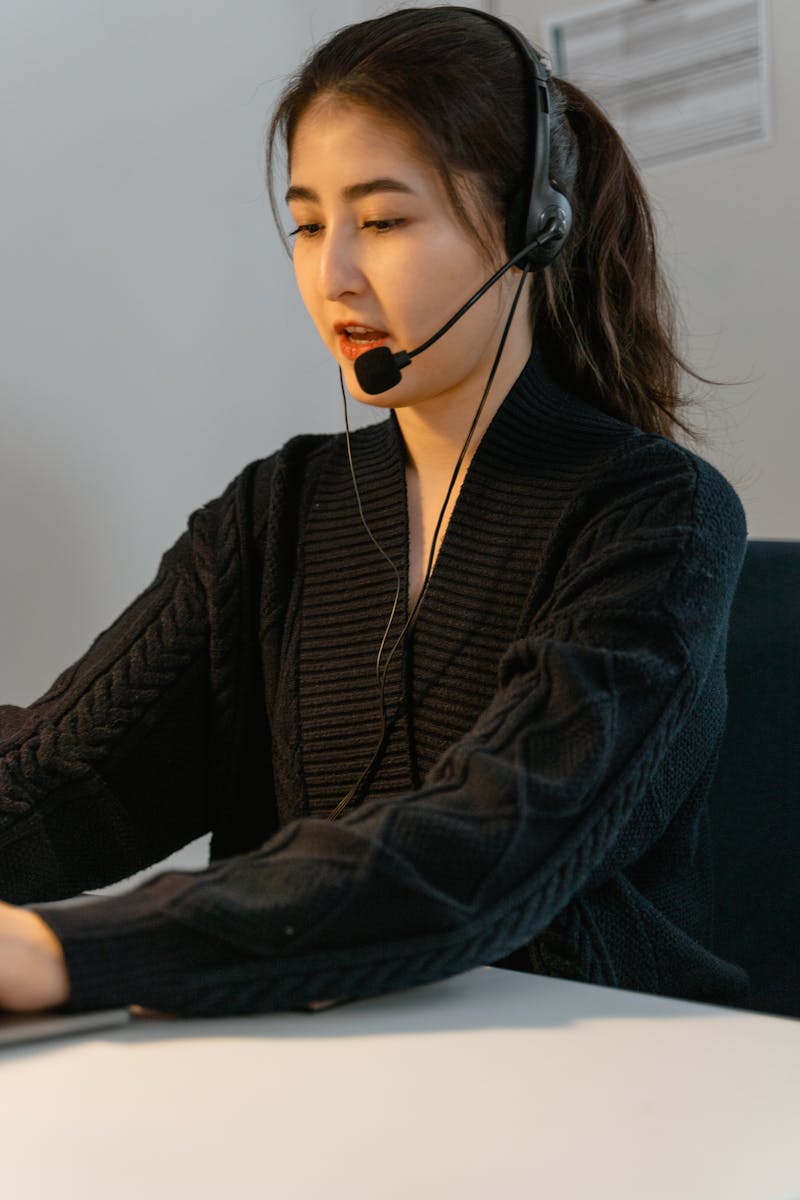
[459, 700]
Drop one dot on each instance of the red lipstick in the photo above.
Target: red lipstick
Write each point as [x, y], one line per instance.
[355, 339]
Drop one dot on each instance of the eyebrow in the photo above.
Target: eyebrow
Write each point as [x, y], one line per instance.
[356, 191]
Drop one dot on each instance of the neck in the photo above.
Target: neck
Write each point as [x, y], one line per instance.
[434, 434]
[434, 431]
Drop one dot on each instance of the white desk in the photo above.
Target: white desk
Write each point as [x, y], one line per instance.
[493, 1084]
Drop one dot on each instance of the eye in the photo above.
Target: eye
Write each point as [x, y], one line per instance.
[306, 231]
[378, 225]
[383, 226]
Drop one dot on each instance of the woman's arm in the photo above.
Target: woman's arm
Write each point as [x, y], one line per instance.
[119, 763]
[509, 825]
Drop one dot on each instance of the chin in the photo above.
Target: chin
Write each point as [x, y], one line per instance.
[388, 399]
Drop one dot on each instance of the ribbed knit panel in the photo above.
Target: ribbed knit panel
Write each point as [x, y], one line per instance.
[539, 444]
[347, 596]
[486, 575]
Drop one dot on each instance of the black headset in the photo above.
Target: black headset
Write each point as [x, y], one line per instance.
[538, 207]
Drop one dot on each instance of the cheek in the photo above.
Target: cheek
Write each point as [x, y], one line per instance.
[435, 282]
[304, 279]
[457, 264]
[450, 279]
[301, 276]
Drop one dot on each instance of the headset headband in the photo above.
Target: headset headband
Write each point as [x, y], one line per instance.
[540, 204]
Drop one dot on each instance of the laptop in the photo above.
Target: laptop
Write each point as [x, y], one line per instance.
[16, 1028]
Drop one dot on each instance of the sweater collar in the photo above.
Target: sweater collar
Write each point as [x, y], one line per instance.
[539, 449]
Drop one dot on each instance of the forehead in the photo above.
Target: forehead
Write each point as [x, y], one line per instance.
[339, 140]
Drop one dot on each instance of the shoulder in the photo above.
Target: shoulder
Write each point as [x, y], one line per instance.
[288, 469]
[672, 516]
[269, 485]
[704, 479]
[300, 463]
[607, 467]
[699, 495]
[619, 463]
[650, 479]
[714, 534]
[656, 516]
[268, 502]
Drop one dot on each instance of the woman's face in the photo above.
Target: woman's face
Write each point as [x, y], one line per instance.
[380, 257]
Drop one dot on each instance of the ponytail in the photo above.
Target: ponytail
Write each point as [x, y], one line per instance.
[603, 312]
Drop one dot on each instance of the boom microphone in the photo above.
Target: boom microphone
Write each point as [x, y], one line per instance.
[379, 370]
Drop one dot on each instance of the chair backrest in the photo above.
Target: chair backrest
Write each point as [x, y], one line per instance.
[755, 798]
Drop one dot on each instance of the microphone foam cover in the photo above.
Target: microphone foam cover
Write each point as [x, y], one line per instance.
[377, 371]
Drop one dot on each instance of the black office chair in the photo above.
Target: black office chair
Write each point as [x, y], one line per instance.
[755, 799]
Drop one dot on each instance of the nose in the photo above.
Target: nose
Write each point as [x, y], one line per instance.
[339, 269]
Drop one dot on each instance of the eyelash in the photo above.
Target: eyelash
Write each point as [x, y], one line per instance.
[305, 231]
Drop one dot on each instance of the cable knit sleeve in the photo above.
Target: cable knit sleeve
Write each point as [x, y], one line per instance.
[117, 765]
[509, 824]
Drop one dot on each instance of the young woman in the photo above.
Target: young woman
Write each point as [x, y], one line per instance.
[441, 699]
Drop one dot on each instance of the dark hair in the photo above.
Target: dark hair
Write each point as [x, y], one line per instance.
[603, 313]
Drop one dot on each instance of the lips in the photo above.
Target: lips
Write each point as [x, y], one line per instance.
[355, 339]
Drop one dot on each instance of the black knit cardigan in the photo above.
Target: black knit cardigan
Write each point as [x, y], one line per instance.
[554, 721]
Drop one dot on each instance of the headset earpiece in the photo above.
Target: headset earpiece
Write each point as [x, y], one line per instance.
[538, 208]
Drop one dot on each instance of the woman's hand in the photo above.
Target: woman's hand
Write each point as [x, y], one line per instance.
[33, 973]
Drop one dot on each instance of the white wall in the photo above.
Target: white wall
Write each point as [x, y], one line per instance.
[729, 234]
[151, 341]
